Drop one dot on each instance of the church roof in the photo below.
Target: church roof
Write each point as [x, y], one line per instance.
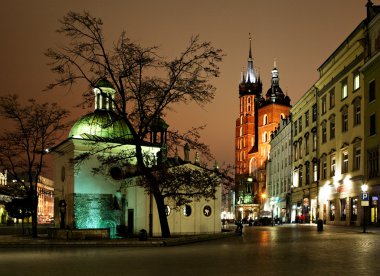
[103, 124]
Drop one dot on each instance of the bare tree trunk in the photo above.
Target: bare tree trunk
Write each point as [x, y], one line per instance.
[165, 231]
[34, 214]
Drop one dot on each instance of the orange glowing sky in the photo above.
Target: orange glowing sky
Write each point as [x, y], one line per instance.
[299, 34]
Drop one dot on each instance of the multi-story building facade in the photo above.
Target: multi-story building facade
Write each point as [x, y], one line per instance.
[305, 161]
[341, 139]
[279, 166]
[371, 97]
[258, 117]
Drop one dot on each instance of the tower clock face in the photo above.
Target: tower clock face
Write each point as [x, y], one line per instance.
[63, 173]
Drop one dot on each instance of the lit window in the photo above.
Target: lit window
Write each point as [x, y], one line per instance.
[265, 137]
[344, 89]
[265, 119]
[187, 210]
[356, 81]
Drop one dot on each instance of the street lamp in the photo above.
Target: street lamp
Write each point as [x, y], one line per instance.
[365, 202]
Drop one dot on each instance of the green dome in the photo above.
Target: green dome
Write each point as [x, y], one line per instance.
[101, 124]
[104, 83]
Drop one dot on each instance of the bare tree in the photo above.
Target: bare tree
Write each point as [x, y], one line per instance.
[34, 128]
[146, 84]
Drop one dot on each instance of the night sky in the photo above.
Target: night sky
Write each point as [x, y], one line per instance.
[299, 34]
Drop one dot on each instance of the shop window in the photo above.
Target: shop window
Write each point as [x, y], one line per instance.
[343, 206]
[354, 209]
[332, 211]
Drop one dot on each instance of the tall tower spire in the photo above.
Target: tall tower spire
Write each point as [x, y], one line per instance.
[251, 75]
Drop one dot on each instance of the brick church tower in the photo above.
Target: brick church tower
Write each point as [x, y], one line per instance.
[258, 118]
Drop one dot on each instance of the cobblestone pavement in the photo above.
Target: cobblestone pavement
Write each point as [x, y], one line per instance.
[278, 250]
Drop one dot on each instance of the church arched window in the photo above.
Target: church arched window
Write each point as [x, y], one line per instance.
[265, 119]
[265, 137]
[282, 116]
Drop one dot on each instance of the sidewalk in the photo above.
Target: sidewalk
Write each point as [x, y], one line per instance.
[43, 240]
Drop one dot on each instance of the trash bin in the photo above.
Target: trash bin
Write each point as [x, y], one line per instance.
[143, 235]
[320, 225]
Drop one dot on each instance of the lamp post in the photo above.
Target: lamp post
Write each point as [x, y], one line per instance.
[364, 202]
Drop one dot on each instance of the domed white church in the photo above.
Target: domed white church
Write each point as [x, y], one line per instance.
[88, 200]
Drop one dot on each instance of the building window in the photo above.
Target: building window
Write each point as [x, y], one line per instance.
[372, 124]
[357, 154]
[324, 168]
[333, 165]
[307, 173]
[324, 133]
[187, 210]
[300, 177]
[300, 148]
[314, 141]
[343, 206]
[356, 81]
[344, 119]
[332, 127]
[323, 105]
[345, 162]
[373, 163]
[332, 98]
[265, 137]
[332, 210]
[300, 124]
[357, 111]
[295, 151]
[295, 127]
[265, 119]
[315, 172]
[344, 89]
[207, 211]
[372, 92]
[307, 144]
[314, 113]
[307, 119]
